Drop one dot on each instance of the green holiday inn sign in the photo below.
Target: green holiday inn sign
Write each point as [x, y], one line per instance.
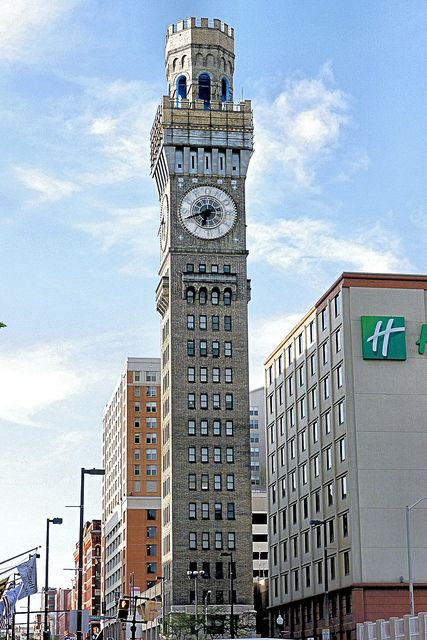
[384, 338]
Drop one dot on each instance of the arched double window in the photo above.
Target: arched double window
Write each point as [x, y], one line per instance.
[181, 89]
[225, 90]
[227, 297]
[205, 89]
[215, 296]
[189, 294]
[203, 296]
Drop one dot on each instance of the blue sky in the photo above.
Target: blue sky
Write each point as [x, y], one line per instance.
[337, 182]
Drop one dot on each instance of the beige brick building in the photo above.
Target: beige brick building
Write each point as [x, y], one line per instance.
[201, 147]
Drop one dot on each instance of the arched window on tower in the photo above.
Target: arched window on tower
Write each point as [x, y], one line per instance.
[189, 294]
[203, 296]
[205, 89]
[225, 90]
[181, 90]
[215, 296]
[227, 297]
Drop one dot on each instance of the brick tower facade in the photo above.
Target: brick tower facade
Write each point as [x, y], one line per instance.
[201, 144]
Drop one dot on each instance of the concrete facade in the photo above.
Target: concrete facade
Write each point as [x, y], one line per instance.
[258, 439]
[201, 141]
[347, 445]
[131, 520]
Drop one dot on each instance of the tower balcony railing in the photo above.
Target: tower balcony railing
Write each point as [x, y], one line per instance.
[198, 114]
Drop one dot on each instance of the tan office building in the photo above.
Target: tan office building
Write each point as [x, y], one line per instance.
[131, 510]
[346, 403]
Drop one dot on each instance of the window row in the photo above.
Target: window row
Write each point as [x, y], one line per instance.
[150, 454]
[214, 350]
[202, 268]
[299, 545]
[325, 391]
[306, 572]
[300, 377]
[215, 322]
[204, 540]
[215, 296]
[205, 511]
[150, 376]
[150, 438]
[150, 423]
[327, 455]
[203, 374]
[202, 482]
[215, 401]
[217, 428]
[217, 454]
[150, 470]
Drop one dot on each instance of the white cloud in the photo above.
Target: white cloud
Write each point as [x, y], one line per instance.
[265, 333]
[307, 245]
[136, 228]
[49, 188]
[33, 379]
[298, 130]
[23, 22]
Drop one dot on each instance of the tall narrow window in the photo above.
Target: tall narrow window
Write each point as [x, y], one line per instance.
[205, 89]
[225, 90]
[181, 90]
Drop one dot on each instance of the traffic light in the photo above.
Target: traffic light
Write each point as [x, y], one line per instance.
[95, 628]
[123, 608]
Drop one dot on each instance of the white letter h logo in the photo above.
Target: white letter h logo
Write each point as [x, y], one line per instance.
[385, 334]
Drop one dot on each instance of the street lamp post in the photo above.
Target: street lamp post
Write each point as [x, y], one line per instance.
[317, 523]
[90, 472]
[206, 600]
[408, 548]
[195, 575]
[46, 631]
[231, 577]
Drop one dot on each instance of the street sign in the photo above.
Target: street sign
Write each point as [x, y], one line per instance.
[73, 621]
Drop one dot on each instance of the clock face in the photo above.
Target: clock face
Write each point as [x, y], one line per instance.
[207, 212]
[163, 231]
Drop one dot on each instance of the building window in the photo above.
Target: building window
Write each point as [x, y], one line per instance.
[231, 512]
[227, 297]
[228, 400]
[203, 401]
[137, 470]
[229, 454]
[203, 348]
[216, 374]
[313, 364]
[343, 482]
[228, 374]
[215, 349]
[151, 470]
[228, 427]
[192, 482]
[230, 482]
[342, 449]
[190, 348]
[339, 376]
[337, 338]
[192, 540]
[217, 454]
[191, 401]
[324, 351]
[231, 540]
[205, 481]
[293, 481]
[325, 383]
[151, 454]
[191, 454]
[203, 323]
[203, 427]
[217, 427]
[341, 412]
[217, 482]
[192, 514]
[215, 323]
[191, 374]
[344, 525]
[151, 423]
[228, 349]
[227, 323]
[218, 510]
[315, 432]
[151, 438]
[190, 295]
[205, 510]
[302, 408]
[218, 539]
[327, 422]
[150, 407]
[313, 398]
[330, 494]
[190, 321]
[304, 474]
[328, 458]
[332, 567]
[215, 296]
[204, 454]
[203, 374]
[337, 305]
[205, 540]
[316, 469]
[346, 557]
[324, 318]
[203, 296]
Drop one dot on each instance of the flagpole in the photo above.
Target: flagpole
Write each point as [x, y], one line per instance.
[20, 554]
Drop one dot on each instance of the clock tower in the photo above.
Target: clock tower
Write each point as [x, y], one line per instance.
[201, 144]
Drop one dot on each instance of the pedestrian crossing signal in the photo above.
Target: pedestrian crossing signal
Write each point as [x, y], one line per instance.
[123, 608]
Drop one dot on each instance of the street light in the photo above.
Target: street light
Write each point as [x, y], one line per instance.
[89, 472]
[408, 548]
[195, 575]
[317, 523]
[206, 599]
[46, 632]
[231, 598]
